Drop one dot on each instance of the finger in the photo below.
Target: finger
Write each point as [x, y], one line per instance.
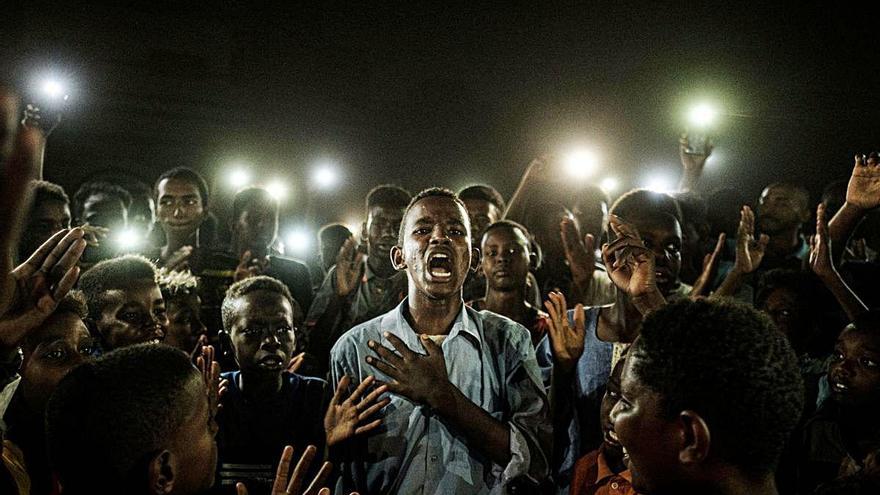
[240, 489]
[373, 409]
[369, 426]
[245, 259]
[762, 242]
[283, 469]
[590, 243]
[299, 472]
[430, 346]
[579, 318]
[623, 228]
[319, 480]
[386, 354]
[373, 395]
[399, 346]
[70, 258]
[551, 310]
[66, 283]
[722, 238]
[361, 388]
[341, 387]
[68, 243]
[345, 252]
[384, 367]
[35, 260]
[324, 491]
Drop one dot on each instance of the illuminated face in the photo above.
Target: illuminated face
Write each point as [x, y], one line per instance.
[257, 226]
[184, 322]
[781, 208]
[181, 207]
[142, 214]
[638, 420]
[132, 316]
[383, 225]
[854, 372]
[436, 249]
[663, 238]
[505, 258]
[262, 331]
[57, 346]
[482, 214]
[104, 210]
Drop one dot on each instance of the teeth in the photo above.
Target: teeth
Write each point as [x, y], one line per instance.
[839, 387]
[440, 255]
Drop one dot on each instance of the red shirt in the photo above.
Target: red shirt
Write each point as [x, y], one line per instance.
[592, 476]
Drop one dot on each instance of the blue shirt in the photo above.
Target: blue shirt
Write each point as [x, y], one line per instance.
[584, 399]
[490, 359]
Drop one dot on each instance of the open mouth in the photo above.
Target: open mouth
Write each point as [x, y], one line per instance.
[273, 362]
[440, 266]
[840, 388]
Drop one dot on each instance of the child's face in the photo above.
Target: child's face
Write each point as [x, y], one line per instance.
[783, 308]
[50, 352]
[184, 322]
[382, 229]
[854, 372]
[482, 214]
[663, 238]
[262, 332]
[609, 400]
[132, 316]
[505, 261]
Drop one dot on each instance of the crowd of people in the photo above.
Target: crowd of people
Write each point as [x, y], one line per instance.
[554, 342]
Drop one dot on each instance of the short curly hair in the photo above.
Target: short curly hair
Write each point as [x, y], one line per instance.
[189, 175]
[114, 274]
[726, 361]
[388, 195]
[483, 192]
[248, 285]
[433, 192]
[44, 190]
[643, 201]
[114, 412]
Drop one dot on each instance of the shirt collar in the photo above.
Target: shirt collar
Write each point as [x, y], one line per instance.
[395, 322]
[604, 472]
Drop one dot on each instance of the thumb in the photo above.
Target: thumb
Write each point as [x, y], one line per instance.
[245, 257]
[430, 346]
[762, 241]
[590, 243]
[579, 318]
[240, 489]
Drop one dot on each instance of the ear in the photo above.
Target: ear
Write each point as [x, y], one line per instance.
[476, 258]
[533, 261]
[696, 438]
[397, 259]
[161, 472]
[364, 232]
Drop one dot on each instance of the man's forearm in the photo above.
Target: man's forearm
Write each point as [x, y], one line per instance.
[490, 436]
[841, 227]
[848, 300]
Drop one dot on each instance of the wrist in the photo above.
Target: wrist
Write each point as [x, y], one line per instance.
[851, 208]
[442, 397]
[649, 301]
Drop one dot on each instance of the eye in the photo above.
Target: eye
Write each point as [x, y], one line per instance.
[837, 357]
[613, 394]
[87, 349]
[672, 248]
[283, 330]
[250, 332]
[56, 354]
[130, 317]
[456, 231]
[868, 362]
[422, 231]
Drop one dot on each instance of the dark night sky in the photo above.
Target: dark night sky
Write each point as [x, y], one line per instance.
[442, 95]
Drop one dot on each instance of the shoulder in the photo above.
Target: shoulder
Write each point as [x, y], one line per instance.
[500, 331]
[358, 336]
[289, 264]
[308, 385]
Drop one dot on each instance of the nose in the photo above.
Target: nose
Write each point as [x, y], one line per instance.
[615, 411]
[439, 236]
[271, 341]
[178, 211]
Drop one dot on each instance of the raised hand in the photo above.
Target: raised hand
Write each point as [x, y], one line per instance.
[20, 158]
[349, 265]
[296, 362]
[710, 268]
[39, 285]
[690, 159]
[820, 249]
[567, 343]
[248, 266]
[418, 377]
[210, 371]
[749, 251]
[580, 253]
[863, 190]
[287, 484]
[346, 417]
[628, 262]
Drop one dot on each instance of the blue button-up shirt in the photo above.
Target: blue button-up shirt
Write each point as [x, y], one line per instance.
[490, 359]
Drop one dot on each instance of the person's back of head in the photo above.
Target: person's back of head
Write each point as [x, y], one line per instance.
[136, 420]
[637, 202]
[331, 237]
[711, 391]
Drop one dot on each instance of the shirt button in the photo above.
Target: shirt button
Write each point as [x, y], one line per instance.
[433, 458]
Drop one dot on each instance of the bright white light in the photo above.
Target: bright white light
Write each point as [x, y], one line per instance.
[581, 163]
[128, 239]
[298, 241]
[277, 189]
[609, 184]
[660, 183]
[54, 89]
[239, 178]
[702, 115]
[325, 176]
[355, 225]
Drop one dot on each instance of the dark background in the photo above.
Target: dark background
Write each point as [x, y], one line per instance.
[437, 94]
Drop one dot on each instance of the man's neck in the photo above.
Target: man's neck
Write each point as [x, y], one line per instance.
[379, 268]
[174, 243]
[784, 243]
[735, 482]
[259, 386]
[433, 316]
[509, 303]
[256, 251]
